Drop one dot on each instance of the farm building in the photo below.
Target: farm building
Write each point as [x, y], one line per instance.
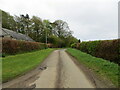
[9, 34]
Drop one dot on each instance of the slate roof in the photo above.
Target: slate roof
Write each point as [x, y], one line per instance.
[15, 35]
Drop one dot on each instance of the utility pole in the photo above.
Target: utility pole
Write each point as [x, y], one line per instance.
[45, 33]
[46, 37]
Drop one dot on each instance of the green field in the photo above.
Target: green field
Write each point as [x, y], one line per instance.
[105, 69]
[16, 65]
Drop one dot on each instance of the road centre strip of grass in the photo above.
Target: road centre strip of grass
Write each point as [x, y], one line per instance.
[15, 65]
[101, 67]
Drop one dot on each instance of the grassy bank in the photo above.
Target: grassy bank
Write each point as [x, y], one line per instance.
[16, 65]
[105, 69]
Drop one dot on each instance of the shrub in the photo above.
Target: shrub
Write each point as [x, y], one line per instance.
[92, 47]
[14, 46]
[106, 49]
[74, 45]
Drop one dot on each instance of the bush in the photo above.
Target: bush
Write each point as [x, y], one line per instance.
[106, 49]
[74, 45]
[14, 46]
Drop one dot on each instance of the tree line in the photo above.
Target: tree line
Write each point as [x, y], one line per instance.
[57, 33]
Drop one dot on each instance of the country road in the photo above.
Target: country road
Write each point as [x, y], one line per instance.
[57, 71]
[61, 72]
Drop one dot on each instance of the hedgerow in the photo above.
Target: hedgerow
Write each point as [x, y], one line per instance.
[106, 49]
[15, 46]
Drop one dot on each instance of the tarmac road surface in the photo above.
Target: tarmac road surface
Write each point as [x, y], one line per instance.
[61, 72]
[58, 70]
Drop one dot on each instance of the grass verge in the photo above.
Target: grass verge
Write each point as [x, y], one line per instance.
[101, 67]
[16, 65]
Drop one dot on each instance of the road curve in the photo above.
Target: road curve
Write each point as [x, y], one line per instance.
[62, 72]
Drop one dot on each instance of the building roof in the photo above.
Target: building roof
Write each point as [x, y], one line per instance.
[15, 35]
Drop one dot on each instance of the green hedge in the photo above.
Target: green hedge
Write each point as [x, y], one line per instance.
[15, 46]
[106, 49]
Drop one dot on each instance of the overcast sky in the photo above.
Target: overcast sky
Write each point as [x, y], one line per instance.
[88, 19]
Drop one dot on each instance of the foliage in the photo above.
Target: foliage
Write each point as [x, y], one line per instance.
[105, 69]
[40, 30]
[19, 64]
[36, 29]
[61, 29]
[14, 46]
[106, 49]
[56, 41]
[8, 21]
[73, 45]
